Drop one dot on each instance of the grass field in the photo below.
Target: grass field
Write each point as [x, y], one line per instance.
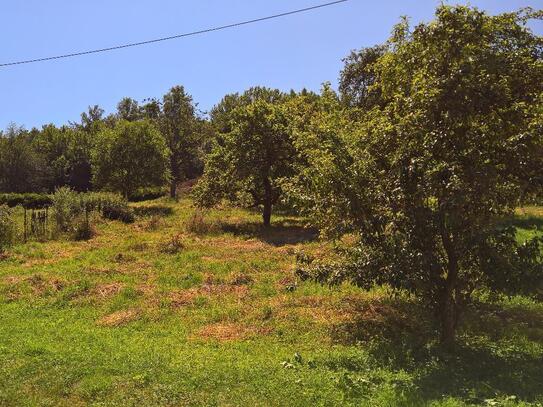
[152, 314]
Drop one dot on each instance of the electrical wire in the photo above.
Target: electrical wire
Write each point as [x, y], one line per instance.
[172, 37]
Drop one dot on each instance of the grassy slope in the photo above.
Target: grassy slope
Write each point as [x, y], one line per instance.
[124, 319]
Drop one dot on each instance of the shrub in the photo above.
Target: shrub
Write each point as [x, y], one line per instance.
[67, 205]
[7, 228]
[118, 211]
[28, 201]
[83, 228]
[111, 206]
[148, 194]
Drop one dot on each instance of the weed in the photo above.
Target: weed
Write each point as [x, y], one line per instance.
[198, 224]
[172, 246]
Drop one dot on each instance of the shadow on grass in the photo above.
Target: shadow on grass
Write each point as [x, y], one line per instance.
[154, 210]
[499, 351]
[278, 234]
[526, 222]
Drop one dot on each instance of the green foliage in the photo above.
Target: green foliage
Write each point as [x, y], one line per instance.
[67, 204]
[130, 156]
[28, 201]
[66, 151]
[249, 163]
[112, 206]
[357, 79]
[424, 177]
[129, 110]
[83, 228]
[222, 112]
[7, 228]
[116, 209]
[147, 194]
[179, 126]
[19, 162]
[70, 207]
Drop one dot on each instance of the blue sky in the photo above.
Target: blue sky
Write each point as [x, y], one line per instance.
[293, 52]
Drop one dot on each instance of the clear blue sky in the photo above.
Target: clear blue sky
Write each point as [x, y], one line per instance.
[293, 52]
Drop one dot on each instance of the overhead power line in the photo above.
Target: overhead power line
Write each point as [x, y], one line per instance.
[172, 37]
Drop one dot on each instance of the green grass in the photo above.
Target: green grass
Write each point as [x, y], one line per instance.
[222, 320]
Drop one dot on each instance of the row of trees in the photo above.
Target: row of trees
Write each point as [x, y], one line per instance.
[139, 146]
[434, 137]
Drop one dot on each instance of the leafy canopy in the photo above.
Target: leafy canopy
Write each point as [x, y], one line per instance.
[248, 163]
[129, 156]
[426, 176]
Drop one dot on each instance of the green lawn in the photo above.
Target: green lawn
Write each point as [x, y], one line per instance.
[150, 314]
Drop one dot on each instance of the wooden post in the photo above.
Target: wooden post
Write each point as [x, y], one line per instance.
[24, 234]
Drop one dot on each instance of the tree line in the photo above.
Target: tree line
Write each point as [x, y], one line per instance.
[432, 140]
[139, 146]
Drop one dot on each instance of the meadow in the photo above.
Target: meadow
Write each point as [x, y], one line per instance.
[190, 308]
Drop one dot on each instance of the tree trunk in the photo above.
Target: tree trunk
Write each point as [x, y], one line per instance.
[174, 168]
[266, 213]
[268, 197]
[173, 189]
[449, 311]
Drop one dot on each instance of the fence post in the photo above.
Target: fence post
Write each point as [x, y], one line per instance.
[24, 233]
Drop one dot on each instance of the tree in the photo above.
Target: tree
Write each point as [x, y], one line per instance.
[358, 77]
[251, 160]
[19, 162]
[426, 178]
[221, 113]
[128, 109]
[179, 124]
[66, 150]
[79, 158]
[132, 155]
[51, 143]
[91, 119]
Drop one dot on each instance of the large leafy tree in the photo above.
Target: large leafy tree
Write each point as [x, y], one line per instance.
[51, 143]
[129, 109]
[221, 114]
[92, 118]
[426, 177]
[132, 155]
[179, 125]
[19, 162]
[66, 150]
[250, 162]
[358, 77]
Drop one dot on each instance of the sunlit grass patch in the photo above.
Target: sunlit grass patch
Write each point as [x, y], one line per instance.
[225, 321]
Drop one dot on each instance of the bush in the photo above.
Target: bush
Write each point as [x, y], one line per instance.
[7, 228]
[68, 204]
[28, 201]
[114, 207]
[83, 228]
[148, 194]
